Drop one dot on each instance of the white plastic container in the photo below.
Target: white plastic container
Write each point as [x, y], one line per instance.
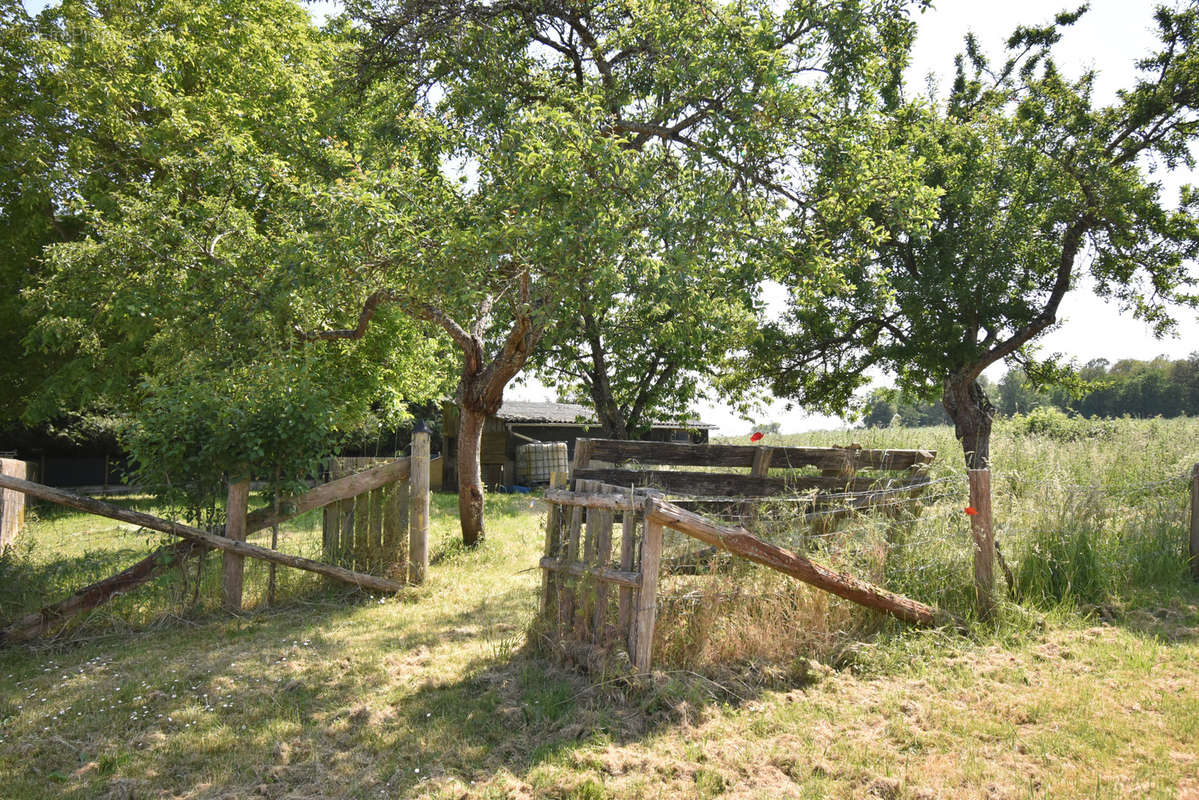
[535, 463]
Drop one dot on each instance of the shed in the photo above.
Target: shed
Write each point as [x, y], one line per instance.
[519, 422]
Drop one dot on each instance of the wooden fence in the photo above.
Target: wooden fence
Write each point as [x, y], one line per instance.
[375, 520]
[239, 525]
[368, 532]
[884, 480]
[599, 591]
[12, 503]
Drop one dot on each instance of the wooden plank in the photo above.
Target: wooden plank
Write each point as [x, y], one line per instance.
[233, 565]
[345, 532]
[627, 579]
[602, 561]
[612, 502]
[761, 463]
[724, 484]
[731, 455]
[329, 520]
[1195, 523]
[493, 448]
[642, 646]
[569, 555]
[741, 542]
[143, 520]
[375, 544]
[340, 488]
[984, 540]
[553, 541]
[362, 522]
[418, 509]
[582, 459]
[585, 590]
[395, 530]
[848, 466]
[628, 542]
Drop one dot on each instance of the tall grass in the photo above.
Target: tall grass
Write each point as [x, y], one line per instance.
[1085, 524]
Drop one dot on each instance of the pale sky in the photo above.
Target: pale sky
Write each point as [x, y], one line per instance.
[1110, 37]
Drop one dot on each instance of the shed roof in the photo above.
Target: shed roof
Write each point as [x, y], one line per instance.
[572, 413]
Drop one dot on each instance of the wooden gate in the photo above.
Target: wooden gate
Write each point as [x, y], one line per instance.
[584, 568]
[368, 532]
[599, 593]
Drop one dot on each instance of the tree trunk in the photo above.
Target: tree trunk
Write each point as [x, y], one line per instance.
[470, 477]
[608, 413]
[610, 418]
[972, 414]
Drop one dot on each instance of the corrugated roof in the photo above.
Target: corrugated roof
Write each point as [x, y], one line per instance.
[567, 413]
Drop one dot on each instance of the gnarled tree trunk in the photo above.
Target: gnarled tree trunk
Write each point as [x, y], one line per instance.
[481, 387]
[470, 478]
[480, 395]
[972, 414]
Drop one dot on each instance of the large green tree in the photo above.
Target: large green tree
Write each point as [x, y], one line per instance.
[209, 163]
[643, 337]
[1038, 185]
[31, 215]
[690, 125]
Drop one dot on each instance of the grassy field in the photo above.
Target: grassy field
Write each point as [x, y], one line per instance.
[1085, 688]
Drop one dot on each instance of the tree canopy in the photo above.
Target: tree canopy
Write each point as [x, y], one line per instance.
[1037, 185]
[206, 163]
[622, 162]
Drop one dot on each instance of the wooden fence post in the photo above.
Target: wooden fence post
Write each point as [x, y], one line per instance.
[1195, 522]
[582, 456]
[12, 503]
[418, 505]
[983, 532]
[647, 597]
[236, 508]
[553, 541]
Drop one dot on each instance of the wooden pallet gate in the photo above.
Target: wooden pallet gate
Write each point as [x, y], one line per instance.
[600, 592]
[370, 531]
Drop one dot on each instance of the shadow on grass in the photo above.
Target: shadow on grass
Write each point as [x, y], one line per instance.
[327, 698]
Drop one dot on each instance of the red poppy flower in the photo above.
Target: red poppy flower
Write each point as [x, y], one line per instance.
[757, 435]
[972, 511]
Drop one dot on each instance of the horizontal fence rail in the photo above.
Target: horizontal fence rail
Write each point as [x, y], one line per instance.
[731, 455]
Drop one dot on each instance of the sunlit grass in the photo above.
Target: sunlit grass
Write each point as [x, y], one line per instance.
[1084, 687]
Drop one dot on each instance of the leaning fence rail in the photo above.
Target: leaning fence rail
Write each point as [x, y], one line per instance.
[240, 524]
[579, 569]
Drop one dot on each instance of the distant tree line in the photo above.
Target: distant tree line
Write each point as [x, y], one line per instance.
[1160, 387]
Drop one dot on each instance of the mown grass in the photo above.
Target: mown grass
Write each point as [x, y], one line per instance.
[1085, 688]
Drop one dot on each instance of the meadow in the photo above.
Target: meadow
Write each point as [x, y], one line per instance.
[1083, 686]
